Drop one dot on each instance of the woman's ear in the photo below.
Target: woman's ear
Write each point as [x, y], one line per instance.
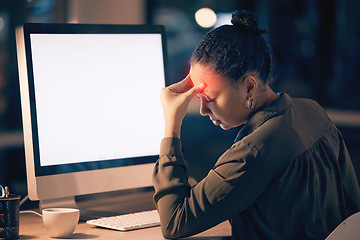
[251, 85]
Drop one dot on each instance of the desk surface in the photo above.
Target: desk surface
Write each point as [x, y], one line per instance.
[31, 225]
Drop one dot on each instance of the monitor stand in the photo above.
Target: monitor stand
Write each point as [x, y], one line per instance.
[67, 202]
[70, 202]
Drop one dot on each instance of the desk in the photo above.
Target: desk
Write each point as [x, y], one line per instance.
[31, 225]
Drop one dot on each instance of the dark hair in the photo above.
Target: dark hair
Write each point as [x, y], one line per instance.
[234, 50]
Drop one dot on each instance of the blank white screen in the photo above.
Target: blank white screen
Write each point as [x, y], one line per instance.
[97, 96]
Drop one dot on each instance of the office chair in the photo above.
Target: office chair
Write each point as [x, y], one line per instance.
[349, 229]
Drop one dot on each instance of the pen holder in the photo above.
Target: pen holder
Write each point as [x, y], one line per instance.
[9, 216]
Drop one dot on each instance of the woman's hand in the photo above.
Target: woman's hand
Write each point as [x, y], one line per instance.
[175, 100]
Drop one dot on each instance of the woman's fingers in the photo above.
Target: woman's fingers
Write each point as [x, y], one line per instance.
[182, 86]
[176, 98]
[187, 87]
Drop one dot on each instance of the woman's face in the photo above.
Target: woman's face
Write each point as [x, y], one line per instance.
[220, 100]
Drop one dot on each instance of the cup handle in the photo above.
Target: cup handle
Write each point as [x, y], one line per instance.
[2, 192]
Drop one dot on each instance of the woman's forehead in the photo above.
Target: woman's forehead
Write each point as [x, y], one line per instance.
[204, 74]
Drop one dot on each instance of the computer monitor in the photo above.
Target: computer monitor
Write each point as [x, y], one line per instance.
[92, 118]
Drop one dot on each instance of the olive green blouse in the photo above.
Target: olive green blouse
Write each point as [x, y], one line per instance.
[288, 175]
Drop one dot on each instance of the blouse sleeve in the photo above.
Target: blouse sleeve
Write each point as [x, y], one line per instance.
[237, 179]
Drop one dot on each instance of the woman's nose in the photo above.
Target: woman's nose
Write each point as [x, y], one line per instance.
[204, 108]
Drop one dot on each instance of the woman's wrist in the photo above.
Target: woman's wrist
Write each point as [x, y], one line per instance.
[172, 130]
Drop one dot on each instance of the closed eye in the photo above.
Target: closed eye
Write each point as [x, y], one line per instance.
[207, 99]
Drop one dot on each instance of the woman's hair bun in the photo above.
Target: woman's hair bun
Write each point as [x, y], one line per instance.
[246, 21]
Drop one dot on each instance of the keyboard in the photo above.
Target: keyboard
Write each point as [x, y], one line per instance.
[129, 221]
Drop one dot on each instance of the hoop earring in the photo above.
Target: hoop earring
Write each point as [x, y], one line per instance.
[250, 103]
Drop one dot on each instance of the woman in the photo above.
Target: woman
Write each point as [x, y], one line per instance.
[288, 174]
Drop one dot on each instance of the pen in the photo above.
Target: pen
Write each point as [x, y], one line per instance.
[6, 191]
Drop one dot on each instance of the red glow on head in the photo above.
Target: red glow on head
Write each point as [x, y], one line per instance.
[206, 75]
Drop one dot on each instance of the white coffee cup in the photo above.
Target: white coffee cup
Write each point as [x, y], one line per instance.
[60, 222]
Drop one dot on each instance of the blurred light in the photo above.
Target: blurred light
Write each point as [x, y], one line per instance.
[205, 17]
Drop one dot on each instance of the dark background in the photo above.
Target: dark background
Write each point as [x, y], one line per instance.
[316, 45]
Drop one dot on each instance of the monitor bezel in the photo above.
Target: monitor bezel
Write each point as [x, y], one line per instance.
[56, 28]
